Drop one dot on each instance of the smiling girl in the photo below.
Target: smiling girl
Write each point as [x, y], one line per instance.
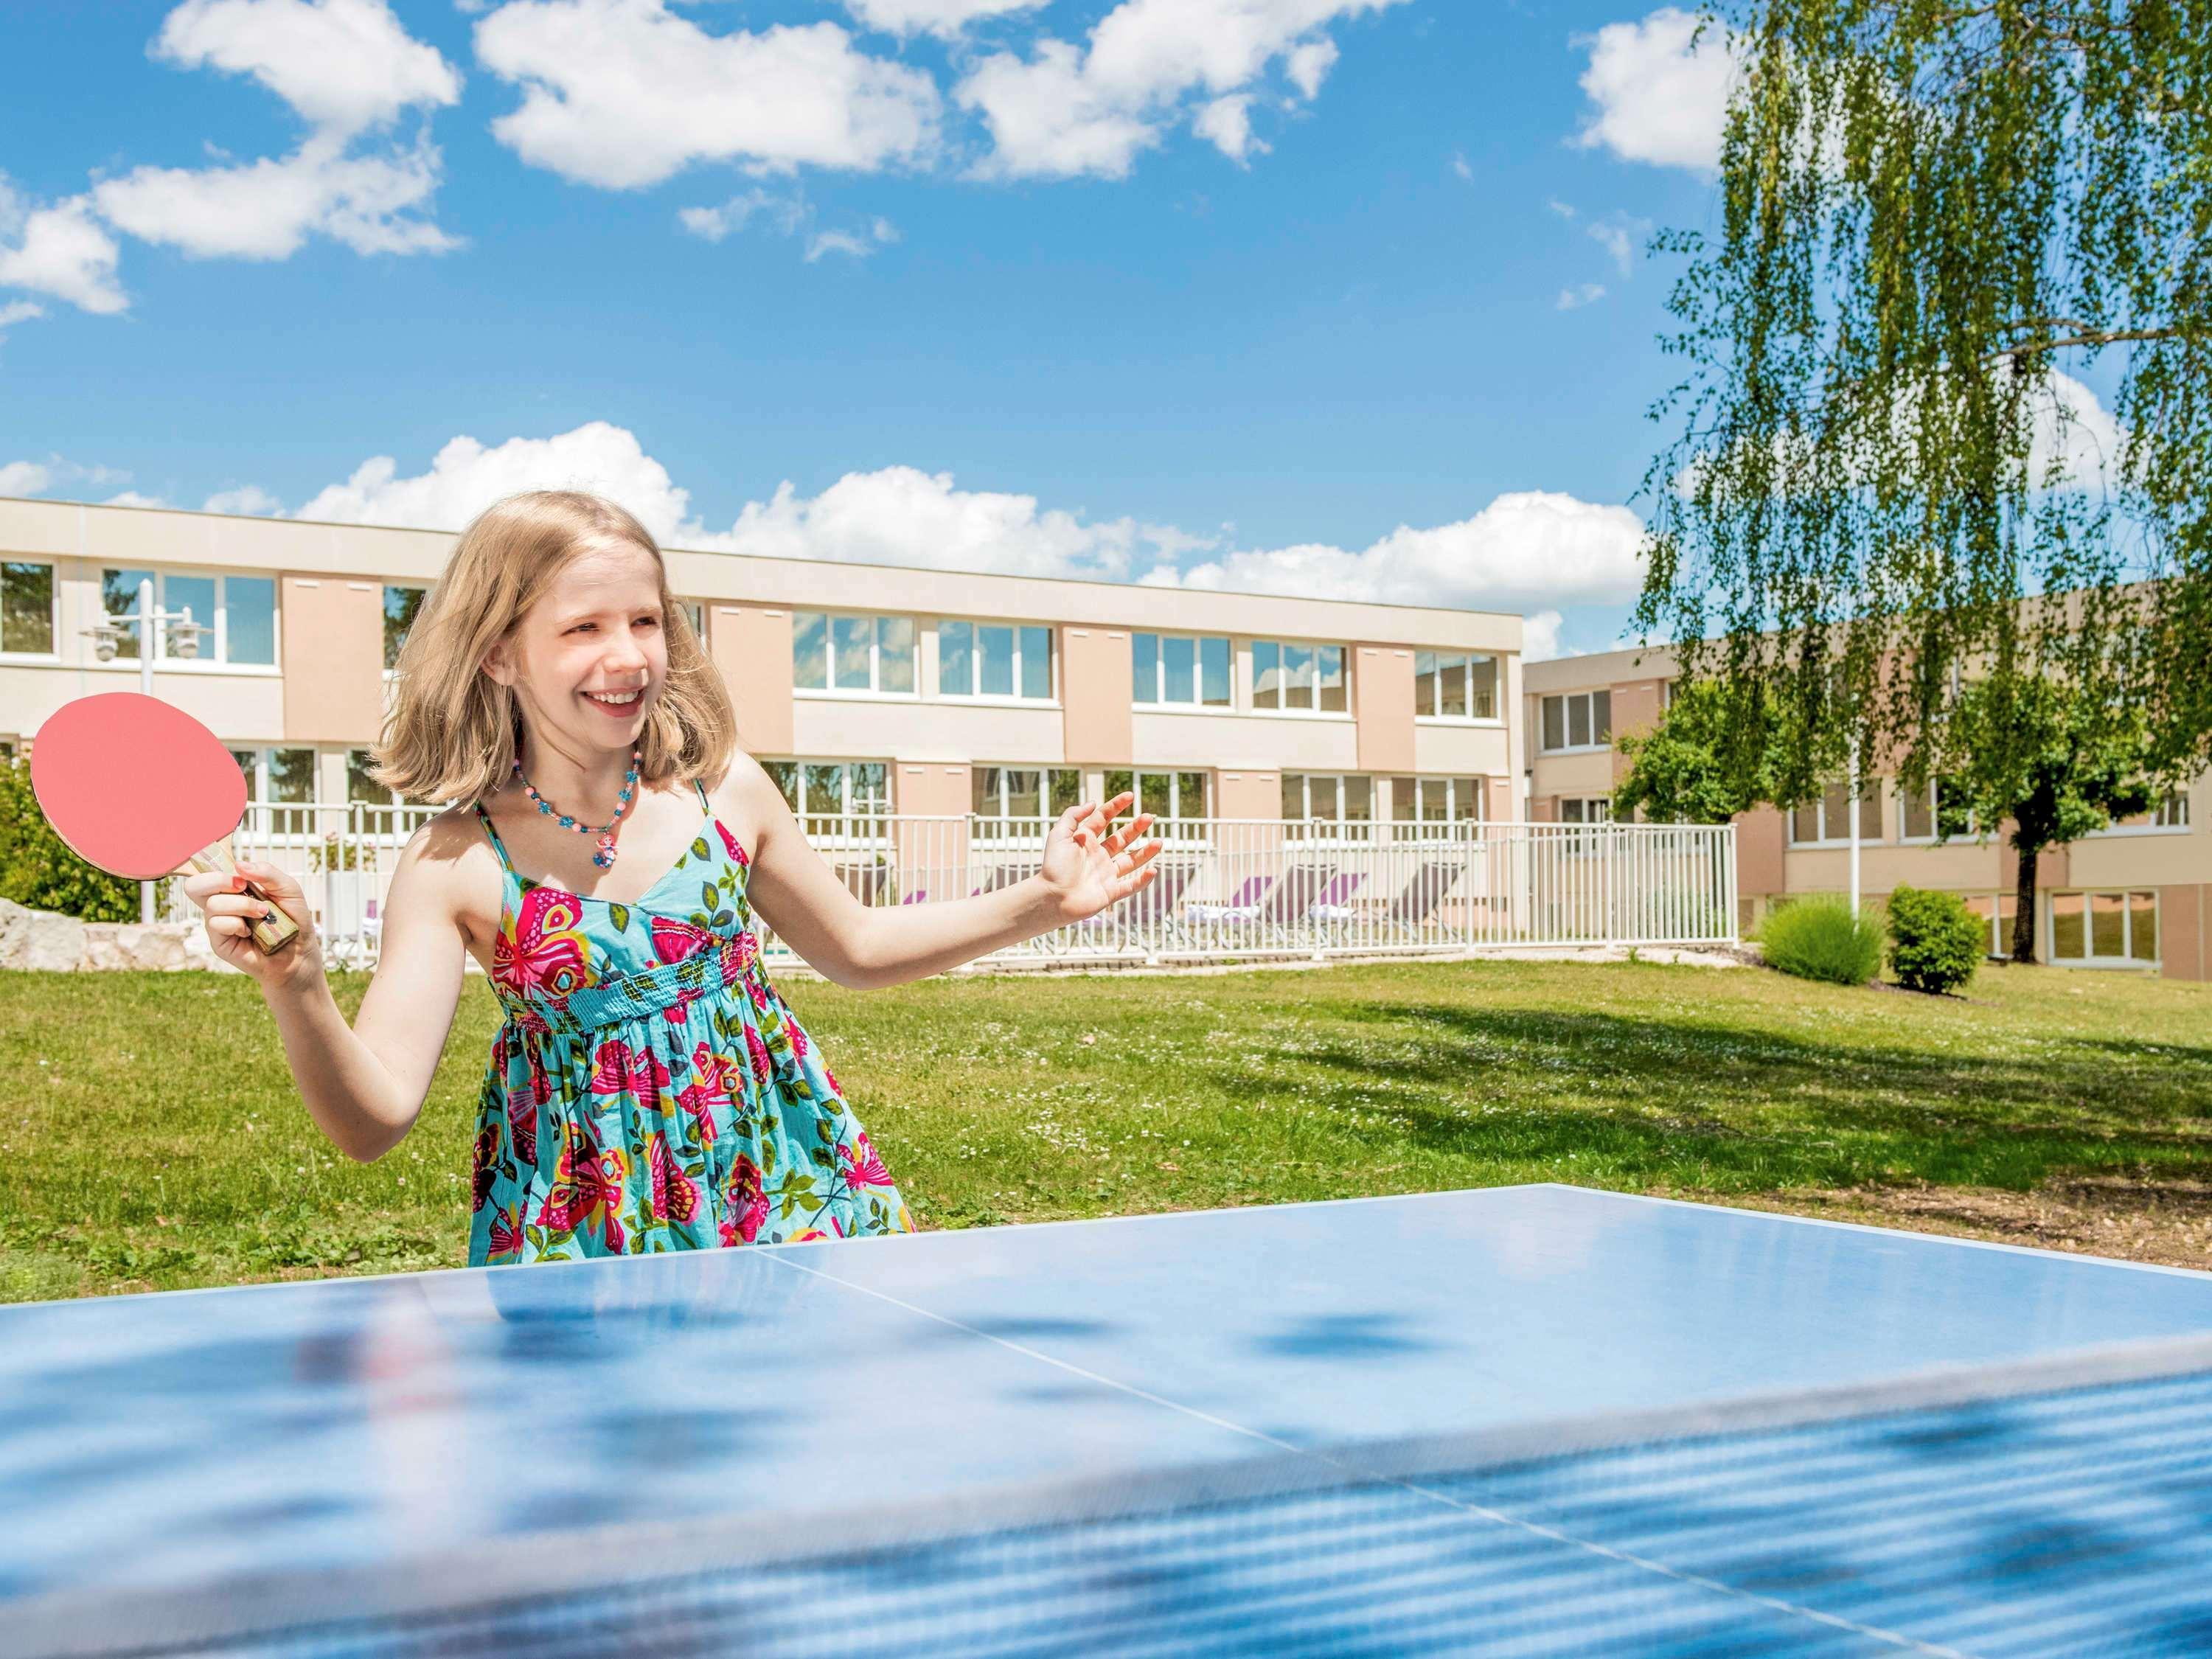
[650, 1089]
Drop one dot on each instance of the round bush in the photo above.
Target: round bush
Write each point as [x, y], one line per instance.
[1935, 943]
[36, 869]
[1819, 938]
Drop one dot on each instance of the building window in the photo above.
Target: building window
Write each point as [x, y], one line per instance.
[1827, 820]
[237, 615]
[26, 608]
[696, 610]
[1998, 911]
[1327, 798]
[1169, 796]
[2104, 928]
[1436, 800]
[834, 653]
[1919, 815]
[2171, 813]
[282, 776]
[994, 659]
[820, 789]
[1180, 671]
[1292, 679]
[1586, 809]
[1028, 795]
[1578, 720]
[401, 607]
[1455, 686]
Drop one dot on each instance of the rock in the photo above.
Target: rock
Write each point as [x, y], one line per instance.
[40, 940]
[157, 947]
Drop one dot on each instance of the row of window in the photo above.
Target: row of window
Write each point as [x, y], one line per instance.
[1827, 820]
[2086, 929]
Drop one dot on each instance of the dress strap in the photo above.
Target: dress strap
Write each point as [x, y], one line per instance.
[701, 786]
[497, 845]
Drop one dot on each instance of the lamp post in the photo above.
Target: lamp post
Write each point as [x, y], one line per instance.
[178, 630]
[1853, 809]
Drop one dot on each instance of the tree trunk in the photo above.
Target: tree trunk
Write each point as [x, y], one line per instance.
[2023, 921]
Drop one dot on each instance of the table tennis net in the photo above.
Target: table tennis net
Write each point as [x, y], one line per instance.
[2038, 1509]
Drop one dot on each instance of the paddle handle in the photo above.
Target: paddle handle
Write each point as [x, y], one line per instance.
[270, 934]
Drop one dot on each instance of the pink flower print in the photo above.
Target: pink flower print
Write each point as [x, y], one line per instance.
[507, 1234]
[674, 940]
[545, 952]
[831, 1077]
[864, 1167]
[672, 1194]
[758, 1052]
[522, 1113]
[758, 992]
[740, 953]
[708, 1088]
[587, 1187]
[798, 1035]
[486, 1169]
[730, 845]
[747, 1199]
[835, 1232]
[625, 1069]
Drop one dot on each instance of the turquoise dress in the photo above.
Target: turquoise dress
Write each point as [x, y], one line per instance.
[650, 1090]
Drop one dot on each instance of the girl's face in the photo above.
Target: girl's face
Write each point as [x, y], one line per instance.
[591, 656]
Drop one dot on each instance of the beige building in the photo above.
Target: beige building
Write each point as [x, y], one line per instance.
[865, 688]
[2137, 896]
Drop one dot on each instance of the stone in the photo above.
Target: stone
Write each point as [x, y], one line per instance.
[40, 940]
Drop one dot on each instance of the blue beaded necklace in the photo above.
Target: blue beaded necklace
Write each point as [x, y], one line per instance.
[605, 856]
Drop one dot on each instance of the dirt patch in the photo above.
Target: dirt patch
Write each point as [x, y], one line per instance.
[2168, 1223]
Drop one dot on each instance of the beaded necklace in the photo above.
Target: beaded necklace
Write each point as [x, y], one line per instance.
[605, 857]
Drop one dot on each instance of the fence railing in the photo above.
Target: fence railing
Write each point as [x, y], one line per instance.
[1224, 887]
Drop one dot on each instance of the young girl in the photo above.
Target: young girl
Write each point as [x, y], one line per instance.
[650, 1090]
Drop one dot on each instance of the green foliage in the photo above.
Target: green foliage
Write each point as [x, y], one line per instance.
[36, 869]
[1935, 943]
[1819, 938]
[1932, 222]
[1713, 754]
[2057, 760]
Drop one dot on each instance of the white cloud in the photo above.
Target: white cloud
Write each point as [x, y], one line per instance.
[714, 223]
[133, 498]
[1527, 547]
[1619, 234]
[344, 66]
[23, 478]
[1539, 635]
[625, 93]
[1659, 96]
[266, 210]
[1226, 123]
[19, 311]
[1067, 109]
[943, 18]
[859, 244]
[1573, 299]
[1460, 165]
[250, 501]
[2073, 427]
[60, 250]
[1561, 207]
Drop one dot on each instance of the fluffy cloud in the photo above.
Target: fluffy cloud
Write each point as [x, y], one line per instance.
[2074, 428]
[1573, 299]
[266, 210]
[248, 501]
[1659, 89]
[1226, 123]
[1529, 546]
[344, 66]
[1532, 548]
[945, 18]
[1066, 110]
[60, 250]
[23, 478]
[625, 93]
[789, 216]
[1539, 635]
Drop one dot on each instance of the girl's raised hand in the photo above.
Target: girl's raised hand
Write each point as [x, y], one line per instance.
[229, 910]
[1089, 865]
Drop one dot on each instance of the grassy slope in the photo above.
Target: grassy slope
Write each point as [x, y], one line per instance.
[151, 1136]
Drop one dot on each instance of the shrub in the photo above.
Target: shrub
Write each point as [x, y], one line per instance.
[1935, 943]
[36, 869]
[1819, 938]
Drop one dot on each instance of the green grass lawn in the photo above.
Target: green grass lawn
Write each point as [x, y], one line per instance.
[150, 1137]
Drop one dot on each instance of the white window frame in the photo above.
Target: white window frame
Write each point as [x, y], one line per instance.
[2170, 817]
[52, 652]
[1583, 806]
[1002, 826]
[1280, 709]
[872, 692]
[1565, 699]
[1451, 780]
[1338, 826]
[1819, 807]
[383, 601]
[1016, 698]
[1441, 662]
[2088, 895]
[1159, 702]
[215, 644]
[1973, 825]
[1170, 822]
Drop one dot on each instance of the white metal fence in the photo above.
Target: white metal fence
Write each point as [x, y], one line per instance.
[1224, 887]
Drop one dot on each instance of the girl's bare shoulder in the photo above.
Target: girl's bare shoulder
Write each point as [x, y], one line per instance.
[448, 865]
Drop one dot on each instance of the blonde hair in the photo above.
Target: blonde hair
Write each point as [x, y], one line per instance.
[451, 732]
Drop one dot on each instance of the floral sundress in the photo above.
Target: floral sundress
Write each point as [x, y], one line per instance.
[650, 1091]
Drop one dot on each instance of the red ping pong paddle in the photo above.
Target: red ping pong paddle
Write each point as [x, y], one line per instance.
[142, 789]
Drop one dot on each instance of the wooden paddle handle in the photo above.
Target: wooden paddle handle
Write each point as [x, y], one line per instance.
[271, 933]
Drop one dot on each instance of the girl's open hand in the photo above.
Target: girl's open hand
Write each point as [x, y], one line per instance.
[1089, 865]
[228, 908]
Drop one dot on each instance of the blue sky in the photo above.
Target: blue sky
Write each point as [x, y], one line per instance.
[1298, 294]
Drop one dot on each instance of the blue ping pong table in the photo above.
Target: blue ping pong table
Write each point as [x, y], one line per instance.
[1532, 1420]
